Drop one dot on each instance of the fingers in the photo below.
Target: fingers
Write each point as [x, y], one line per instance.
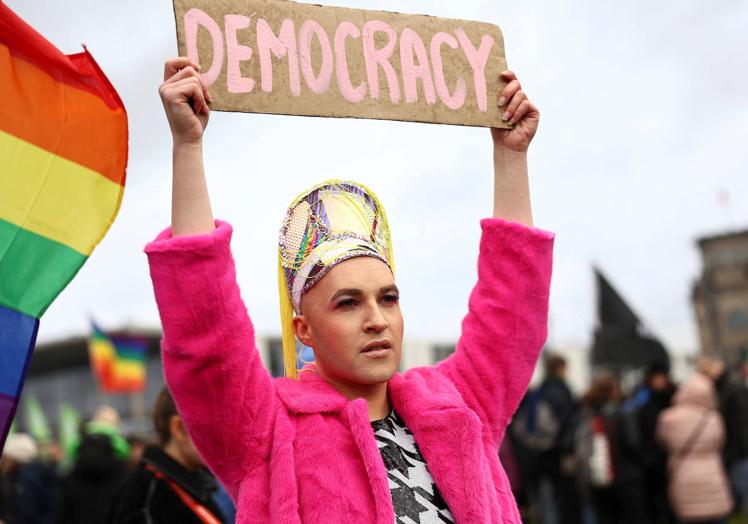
[184, 90]
[173, 65]
[524, 108]
[509, 91]
[514, 100]
[188, 71]
[514, 103]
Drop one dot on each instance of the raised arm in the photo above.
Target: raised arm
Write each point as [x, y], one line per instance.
[505, 327]
[185, 97]
[211, 363]
[511, 188]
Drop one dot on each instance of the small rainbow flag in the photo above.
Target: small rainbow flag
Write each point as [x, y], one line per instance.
[63, 152]
[118, 362]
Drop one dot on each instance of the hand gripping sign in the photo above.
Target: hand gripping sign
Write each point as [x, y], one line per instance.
[282, 57]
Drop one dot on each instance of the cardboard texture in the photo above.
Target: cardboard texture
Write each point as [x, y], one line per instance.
[283, 57]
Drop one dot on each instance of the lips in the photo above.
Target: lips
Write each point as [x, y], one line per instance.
[376, 346]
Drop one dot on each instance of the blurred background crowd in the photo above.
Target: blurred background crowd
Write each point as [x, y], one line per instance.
[628, 432]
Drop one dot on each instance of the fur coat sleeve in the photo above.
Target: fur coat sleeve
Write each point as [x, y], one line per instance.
[506, 323]
[211, 362]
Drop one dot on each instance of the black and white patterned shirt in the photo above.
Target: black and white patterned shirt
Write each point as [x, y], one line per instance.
[415, 497]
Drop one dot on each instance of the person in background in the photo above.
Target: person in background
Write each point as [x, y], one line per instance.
[99, 469]
[693, 434]
[137, 445]
[732, 395]
[544, 427]
[607, 450]
[171, 483]
[652, 398]
[25, 483]
[106, 422]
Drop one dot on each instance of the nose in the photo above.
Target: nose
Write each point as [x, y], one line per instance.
[375, 322]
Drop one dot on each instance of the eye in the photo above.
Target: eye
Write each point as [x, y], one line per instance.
[345, 303]
[391, 298]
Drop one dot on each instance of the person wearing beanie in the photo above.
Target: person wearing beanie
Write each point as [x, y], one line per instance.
[25, 482]
[348, 439]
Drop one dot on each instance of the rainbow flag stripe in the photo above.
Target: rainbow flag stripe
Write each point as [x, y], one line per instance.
[63, 154]
[118, 362]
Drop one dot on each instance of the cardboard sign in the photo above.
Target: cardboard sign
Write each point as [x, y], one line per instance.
[282, 57]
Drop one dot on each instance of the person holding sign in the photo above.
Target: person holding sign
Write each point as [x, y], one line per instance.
[349, 439]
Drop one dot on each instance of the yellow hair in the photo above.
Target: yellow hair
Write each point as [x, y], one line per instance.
[287, 314]
[286, 306]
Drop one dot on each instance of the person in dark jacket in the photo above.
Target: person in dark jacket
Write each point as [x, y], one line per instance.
[560, 458]
[543, 432]
[171, 483]
[652, 398]
[732, 396]
[98, 473]
[25, 483]
[608, 451]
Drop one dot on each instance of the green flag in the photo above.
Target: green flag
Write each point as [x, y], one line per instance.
[36, 421]
[69, 428]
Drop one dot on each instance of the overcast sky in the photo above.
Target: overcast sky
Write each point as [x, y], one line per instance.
[644, 125]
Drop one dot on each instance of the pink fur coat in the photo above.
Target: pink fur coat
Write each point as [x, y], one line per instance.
[298, 451]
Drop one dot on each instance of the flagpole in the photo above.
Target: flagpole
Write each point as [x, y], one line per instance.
[103, 397]
[137, 410]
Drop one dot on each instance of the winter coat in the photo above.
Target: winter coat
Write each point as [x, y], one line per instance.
[698, 486]
[624, 447]
[87, 491]
[147, 498]
[648, 412]
[295, 451]
[26, 494]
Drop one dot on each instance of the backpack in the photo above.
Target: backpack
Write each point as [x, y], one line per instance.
[535, 426]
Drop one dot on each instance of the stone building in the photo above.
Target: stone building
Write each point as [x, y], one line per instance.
[720, 296]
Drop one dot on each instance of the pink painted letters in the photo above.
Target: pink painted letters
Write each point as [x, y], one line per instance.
[410, 43]
[478, 59]
[375, 58]
[400, 67]
[318, 83]
[235, 54]
[193, 19]
[456, 100]
[350, 93]
[282, 45]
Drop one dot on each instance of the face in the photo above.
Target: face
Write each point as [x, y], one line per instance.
[659, 382]
[352, 320]
[188, 455]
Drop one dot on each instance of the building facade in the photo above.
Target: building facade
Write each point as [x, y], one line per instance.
[720, 297]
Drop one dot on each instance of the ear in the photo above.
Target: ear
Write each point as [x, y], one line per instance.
[176, 428]
[303, 330]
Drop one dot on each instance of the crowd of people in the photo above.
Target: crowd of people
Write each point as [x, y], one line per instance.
[110, 478]
[663, 453]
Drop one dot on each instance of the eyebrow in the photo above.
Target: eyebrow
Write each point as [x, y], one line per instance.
[355, 292]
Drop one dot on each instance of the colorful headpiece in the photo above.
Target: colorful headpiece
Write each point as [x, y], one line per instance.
[325, 225]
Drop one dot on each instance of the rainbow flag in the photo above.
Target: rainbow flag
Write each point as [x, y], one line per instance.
[118, 363]
[63, 152]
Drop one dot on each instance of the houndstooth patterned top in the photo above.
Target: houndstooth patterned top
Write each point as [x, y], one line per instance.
[415, 497]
